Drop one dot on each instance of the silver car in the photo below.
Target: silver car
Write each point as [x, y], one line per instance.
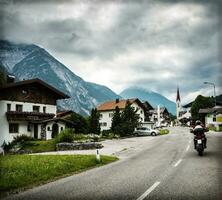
[143, 131]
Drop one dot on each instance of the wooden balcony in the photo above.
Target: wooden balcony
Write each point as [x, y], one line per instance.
[28, 116]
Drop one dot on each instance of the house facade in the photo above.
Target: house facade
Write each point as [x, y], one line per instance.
[107, 110]
[164, 116]
[29, 107]
[212, 117]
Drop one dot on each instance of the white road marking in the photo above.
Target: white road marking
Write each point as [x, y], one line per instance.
[145, 194]
[187, 147]
[177, 163]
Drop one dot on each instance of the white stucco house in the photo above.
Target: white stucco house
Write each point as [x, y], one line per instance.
[107, 109]
[212, 117]
[163, 118]
[29, 107]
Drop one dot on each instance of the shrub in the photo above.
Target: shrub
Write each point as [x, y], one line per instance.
[105, 133]
[17, 142]
[164, 131]
[7, 146]
[211, 127]
[66, 135]
[21, 139]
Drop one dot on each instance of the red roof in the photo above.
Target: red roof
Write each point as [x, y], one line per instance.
[111, 105]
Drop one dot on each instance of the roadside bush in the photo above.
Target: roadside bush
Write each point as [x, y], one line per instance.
[105, 133]
[164, 131]
[21, 139]
[7, 146]
[66, 135]
[17, 143]
[211, 127]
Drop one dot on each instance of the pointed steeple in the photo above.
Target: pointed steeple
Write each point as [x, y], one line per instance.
[178, 95]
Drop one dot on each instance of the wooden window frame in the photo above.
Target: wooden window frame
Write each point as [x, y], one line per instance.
[14, 129]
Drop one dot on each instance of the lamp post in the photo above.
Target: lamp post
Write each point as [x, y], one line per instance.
[209, 83]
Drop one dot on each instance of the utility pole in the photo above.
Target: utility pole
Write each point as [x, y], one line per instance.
[209, 83]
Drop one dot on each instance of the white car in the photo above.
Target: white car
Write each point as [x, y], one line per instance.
[143, 131]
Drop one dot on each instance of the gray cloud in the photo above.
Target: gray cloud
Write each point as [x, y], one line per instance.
[156, 44]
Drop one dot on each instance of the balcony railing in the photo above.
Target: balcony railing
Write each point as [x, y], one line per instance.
[28, 116]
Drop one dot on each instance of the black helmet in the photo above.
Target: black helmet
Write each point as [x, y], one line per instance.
[198, 122]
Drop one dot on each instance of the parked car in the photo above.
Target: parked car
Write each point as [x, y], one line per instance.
[143, 131]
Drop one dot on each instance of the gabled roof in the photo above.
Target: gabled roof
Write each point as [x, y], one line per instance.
[162, 110]
[121, 103]
[60, 94]
[147, 105]
[216, 109]
[64, 113]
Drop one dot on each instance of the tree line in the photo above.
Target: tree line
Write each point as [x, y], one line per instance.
[123, 123]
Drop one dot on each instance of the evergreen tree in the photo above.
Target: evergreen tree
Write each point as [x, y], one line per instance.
[80, 123]
[116, 121]
[129, 120]
[94, 125]
[200, 102]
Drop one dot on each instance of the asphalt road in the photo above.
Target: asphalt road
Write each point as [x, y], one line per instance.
[167, 167]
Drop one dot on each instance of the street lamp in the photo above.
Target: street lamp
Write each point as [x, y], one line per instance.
[209, 83]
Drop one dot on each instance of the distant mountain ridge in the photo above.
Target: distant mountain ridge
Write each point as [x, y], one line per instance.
[153, 98]
[31, 61]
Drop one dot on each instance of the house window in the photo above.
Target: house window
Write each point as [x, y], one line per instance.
[61, 129]
[29, 128]
[35, 108]
[44, 109]
[48, 128]
[18, 108]
[100, 115]
[214, 119]
[8, 107]
[110, 114]
[103, 124]
[13, 128]
[141, 112]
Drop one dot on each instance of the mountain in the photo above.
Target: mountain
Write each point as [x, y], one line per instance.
[153, 98]
[30, 61]
[11, 53]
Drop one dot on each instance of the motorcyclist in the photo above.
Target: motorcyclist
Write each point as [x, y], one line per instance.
[199, 129]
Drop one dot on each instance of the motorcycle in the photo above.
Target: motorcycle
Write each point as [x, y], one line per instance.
[199, 141]
[199, 144]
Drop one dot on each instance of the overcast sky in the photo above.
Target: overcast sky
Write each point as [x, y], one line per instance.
[157, 45]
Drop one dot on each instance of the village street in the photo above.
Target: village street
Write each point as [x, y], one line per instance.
[162, 167]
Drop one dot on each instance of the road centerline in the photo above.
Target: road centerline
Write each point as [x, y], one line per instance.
[148, 191]
[177, 163]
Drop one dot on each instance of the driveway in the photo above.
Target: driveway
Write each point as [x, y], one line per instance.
[121, 148]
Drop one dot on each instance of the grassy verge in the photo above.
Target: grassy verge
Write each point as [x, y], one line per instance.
[18, 172]
[164, 131]
[40, 146]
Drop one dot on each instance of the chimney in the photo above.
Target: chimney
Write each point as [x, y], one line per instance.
[10, 78]
[117, 100]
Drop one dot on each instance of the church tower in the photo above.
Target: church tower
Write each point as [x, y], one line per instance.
[178, 104]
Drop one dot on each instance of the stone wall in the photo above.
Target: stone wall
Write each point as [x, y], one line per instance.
[78, 146]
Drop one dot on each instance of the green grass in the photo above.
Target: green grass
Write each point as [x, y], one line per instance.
[164, 131]
[40, 146]
[24, 171]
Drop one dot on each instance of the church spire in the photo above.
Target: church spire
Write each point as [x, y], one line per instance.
[178, 95]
